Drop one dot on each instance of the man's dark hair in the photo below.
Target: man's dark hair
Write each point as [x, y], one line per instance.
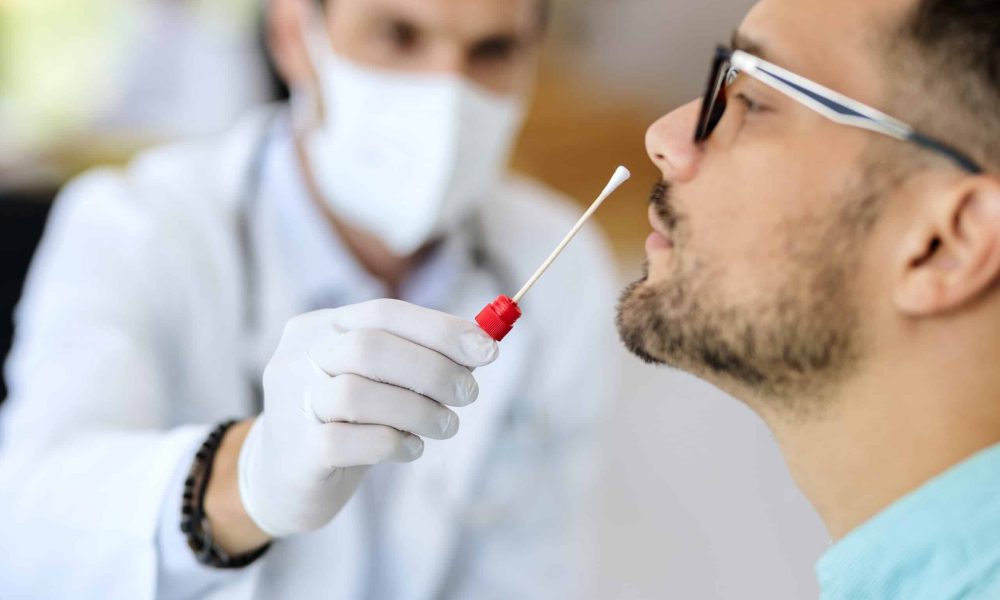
[946, 58]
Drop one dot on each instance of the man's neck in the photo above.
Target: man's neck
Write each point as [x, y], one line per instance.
[889, 432]
[370, 252]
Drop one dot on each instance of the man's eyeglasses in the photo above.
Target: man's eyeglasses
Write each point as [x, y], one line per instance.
[828, 103]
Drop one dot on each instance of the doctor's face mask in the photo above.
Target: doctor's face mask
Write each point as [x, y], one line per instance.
[406, 156]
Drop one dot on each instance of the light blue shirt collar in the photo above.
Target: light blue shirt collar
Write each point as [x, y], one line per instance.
[321, 267]
[940, 541]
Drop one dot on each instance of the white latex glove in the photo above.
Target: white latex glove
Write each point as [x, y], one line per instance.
[348, 388]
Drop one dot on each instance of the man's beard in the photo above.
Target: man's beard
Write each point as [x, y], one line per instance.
[785, 341]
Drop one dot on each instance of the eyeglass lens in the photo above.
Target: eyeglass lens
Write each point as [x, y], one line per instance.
[713, 105]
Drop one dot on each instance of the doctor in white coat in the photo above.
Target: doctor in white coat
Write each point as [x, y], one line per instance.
[385, 449]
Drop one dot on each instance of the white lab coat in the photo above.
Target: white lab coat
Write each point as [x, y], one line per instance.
[130, 342]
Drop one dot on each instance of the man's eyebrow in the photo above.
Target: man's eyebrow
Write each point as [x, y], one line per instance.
[741, 41]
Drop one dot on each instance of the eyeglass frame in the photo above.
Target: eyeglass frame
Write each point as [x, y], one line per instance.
[826, 102]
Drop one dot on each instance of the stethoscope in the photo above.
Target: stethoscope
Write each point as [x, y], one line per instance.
[249, 199]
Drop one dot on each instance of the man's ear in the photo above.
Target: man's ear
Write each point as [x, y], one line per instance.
[285, 39]
[952, 255]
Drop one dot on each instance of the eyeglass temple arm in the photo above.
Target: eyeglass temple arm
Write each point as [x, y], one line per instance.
[841, 109]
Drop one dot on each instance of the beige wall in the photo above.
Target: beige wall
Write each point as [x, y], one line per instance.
[611, 68]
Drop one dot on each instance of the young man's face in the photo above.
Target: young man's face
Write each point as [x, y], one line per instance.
[760, 273]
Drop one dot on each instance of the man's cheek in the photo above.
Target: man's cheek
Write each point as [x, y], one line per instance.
[721, 260]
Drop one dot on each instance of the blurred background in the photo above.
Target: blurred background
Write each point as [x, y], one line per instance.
[695, 499]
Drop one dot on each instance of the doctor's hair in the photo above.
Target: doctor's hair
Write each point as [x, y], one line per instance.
[944, 74]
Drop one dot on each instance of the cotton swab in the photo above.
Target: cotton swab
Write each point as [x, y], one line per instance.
[498, 317]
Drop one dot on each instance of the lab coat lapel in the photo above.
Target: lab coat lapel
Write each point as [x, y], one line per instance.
[499, 385]
[331, 562]
[334, 561]
[435, 494]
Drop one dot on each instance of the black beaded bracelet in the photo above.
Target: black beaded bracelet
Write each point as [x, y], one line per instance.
[194, 522]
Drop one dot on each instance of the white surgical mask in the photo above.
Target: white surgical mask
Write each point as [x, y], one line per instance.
[404, 156]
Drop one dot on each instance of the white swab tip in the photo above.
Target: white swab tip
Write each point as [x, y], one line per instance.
[621, 176]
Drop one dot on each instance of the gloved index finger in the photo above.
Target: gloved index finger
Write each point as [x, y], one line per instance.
[460, 340]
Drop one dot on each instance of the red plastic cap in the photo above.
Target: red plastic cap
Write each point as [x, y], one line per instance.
[498, 317]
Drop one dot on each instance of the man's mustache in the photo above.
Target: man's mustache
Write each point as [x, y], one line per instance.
[660, 199]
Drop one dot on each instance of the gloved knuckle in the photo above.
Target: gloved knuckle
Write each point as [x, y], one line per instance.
[346, 386]
[409, 447]
[472, 387]
[442, 389]
[388, 439]
[362, 342]
[294, 325]
[384, 308]
[275, 371]
[458, 387]
[367, 312]
[330, 446]
[347, 401]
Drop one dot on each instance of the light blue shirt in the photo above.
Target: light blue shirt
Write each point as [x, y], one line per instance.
[939, 542]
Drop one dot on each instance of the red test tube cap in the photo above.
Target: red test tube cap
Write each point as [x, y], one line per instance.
[498, 317]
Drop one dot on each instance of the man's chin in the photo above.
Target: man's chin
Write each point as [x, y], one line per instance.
[636, 308]
[647, 331]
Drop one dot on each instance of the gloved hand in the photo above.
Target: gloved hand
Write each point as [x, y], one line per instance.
[348, 388]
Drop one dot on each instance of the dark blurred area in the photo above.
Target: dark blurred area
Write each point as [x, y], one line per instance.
[22, 219]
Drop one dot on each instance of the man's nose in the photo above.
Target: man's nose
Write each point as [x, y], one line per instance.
[670, 143]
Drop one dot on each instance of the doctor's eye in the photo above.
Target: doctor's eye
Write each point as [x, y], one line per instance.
[401, 35]
[499, 48]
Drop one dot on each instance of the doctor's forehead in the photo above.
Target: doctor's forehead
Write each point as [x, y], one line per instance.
[835, 42]
[470, 18]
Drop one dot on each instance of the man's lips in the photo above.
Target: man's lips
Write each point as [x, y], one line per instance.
[659, 239]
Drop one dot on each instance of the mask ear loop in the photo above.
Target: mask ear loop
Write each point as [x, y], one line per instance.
[305, 99]
[314, 38]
